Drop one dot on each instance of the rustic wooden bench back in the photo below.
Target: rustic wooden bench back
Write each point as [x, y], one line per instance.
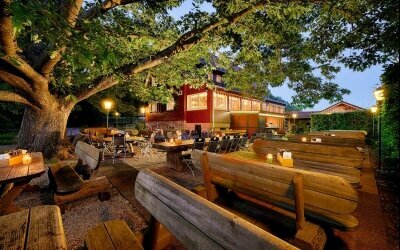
[330, 140]
[327, 198]
[345, 156]
[196, 222]
[88, 155]
[342, 133]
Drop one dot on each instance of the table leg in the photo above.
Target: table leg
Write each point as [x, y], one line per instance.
[174, 160]
[6, 202]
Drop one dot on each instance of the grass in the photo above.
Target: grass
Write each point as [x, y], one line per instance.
[8, 137]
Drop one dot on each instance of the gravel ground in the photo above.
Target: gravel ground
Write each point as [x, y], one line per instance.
[81, 215]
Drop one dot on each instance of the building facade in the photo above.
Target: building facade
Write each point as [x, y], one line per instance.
[217, 109]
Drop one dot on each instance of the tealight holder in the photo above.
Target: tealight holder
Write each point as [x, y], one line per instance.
[269, 158]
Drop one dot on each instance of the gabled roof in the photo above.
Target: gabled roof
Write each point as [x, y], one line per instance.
[343, 103]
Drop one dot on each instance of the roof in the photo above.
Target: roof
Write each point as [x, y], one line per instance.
[275, 101]
[344, 103]
[300, 114]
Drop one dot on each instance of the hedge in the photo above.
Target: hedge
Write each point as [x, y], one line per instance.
[357, 120]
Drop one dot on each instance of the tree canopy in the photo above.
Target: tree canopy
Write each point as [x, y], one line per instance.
[54, 54]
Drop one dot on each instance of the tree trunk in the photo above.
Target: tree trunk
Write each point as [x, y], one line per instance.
[44, 129]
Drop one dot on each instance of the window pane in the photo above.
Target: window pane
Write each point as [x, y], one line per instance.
[246, 104]
[220, 101]
[255, 105]
[170, 106]
[234, 103]
[197, 101]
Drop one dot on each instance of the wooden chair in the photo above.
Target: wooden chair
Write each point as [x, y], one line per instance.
[67, 182]
[243, 142]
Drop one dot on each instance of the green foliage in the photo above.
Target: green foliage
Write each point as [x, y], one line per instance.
[390, 113]
[8, 138]
[357, 120]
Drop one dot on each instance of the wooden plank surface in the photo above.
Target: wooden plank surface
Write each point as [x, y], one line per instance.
[345, 156]
[45, 229]
[196, 222]
[21, 172]
[350, 174]
[327, 197]
[98, 239]
[329, 140]
[88, 154]
[37, 164]
[4, 171]
[342, 133]
[13, 229]
[66, 179]
[121, 235]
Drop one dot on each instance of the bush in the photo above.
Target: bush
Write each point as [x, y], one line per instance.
[357, 120]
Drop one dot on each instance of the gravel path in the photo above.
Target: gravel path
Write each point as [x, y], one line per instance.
[81, 215]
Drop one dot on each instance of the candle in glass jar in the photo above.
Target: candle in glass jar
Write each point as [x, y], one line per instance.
[171, 141]
[269, 158]
[304, 139]
[26, 159]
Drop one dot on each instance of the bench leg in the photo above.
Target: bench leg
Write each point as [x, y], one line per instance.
[151, 238]
[299, 201]
[6, 202]
[90, 187]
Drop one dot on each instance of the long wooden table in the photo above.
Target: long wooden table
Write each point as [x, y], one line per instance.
[174, 152]
[36, 228]
[18, 175]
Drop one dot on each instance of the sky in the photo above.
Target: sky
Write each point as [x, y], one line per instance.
[361, 84]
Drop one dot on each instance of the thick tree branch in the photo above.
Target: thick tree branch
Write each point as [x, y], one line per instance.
[187, 41]
[16, 82]
[103, 84]
[72, 14]
[9, 45]
[7, 96]
[102, 8]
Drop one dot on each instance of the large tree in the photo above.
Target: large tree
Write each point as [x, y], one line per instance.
[54, 54]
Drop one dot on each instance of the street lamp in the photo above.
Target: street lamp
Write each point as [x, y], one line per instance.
[379, 96]
[107, 104]
[374, 109]
[294, 118]
[116, 114]
[142, 110]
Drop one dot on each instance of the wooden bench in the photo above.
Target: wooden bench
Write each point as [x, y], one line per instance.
[35, 228]
[67, 181]
[355, 134]
[195, 222]
[329, 140]
[327, 199]
[314, 152]
[350, 174]
[110, 235]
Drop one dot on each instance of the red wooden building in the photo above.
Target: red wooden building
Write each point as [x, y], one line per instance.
[217, 109]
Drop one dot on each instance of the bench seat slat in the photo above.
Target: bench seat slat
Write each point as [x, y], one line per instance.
[66, 179]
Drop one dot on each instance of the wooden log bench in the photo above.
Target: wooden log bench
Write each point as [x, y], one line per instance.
[329, 140]
[355, 134]
[313, 152]
[67, 181]
[194, 221]
[323, 199]
[35, 228]
[350, 174]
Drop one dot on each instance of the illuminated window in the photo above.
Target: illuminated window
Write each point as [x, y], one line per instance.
[255, 105]
[153, 107]
[217, 78]
[246, 104]
[170, 105]
[234, 103]
[264, 106]
[197, 101]
[220, 101]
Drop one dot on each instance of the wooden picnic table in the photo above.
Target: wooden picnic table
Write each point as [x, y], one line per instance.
[174, 152]
[35, 228]
[19, 175]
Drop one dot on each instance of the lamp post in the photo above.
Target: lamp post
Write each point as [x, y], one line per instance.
[378, 93]
[107, 104]
[374, 109]
[116, 114]
[294, 118]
